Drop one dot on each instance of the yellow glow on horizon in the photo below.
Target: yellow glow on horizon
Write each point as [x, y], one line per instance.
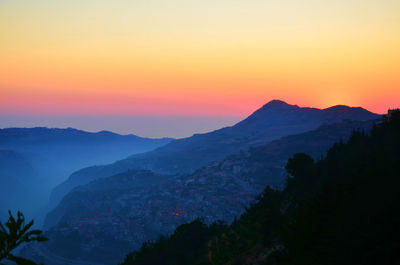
[317, 53]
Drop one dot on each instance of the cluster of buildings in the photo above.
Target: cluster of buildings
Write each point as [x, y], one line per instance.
[139, 215]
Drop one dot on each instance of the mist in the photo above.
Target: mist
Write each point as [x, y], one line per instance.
[34, 160]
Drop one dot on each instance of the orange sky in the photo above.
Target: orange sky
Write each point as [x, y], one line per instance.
[201, 58]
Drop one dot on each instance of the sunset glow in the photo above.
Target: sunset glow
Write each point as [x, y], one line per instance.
[196, 58]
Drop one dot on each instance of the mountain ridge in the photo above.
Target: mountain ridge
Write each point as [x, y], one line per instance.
[54, 131]
[265, 124]
[339, 209]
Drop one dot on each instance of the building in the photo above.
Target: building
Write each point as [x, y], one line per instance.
[391, 113]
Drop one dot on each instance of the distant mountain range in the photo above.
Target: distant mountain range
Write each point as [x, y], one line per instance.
[272, 121]
[34, 160]
[66, 150]
[135, 206]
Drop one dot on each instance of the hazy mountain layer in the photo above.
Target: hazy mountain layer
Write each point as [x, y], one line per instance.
[59, 152]
[43, 157]
[19, 183]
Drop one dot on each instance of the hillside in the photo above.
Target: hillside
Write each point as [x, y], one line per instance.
[126, 210]
[274, 120]
[342, 209]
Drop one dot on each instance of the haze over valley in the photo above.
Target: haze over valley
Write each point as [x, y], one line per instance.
[35, 160]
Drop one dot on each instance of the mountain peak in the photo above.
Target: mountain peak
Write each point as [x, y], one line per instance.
[344, 108]
[277, 112]
[276, 103]
[339, 107]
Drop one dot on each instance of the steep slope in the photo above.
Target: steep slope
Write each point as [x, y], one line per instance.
[128, 211]
[274, 120]
[342, 209]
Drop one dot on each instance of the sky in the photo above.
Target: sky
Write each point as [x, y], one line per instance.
[65, 62]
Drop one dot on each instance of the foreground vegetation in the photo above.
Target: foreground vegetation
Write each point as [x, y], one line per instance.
[13, 234]
[342, 209]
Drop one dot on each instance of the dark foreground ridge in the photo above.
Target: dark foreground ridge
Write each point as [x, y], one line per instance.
[342, 209]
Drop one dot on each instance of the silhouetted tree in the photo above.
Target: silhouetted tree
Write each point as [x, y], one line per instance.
[14, 233]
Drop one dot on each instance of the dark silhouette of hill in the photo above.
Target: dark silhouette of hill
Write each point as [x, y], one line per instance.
[142, 205]
[342, 209]
[272, 121]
